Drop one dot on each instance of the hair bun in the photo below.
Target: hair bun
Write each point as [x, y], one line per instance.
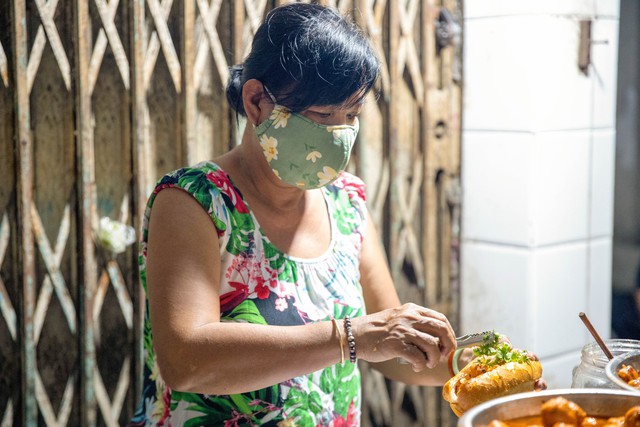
[234, 88]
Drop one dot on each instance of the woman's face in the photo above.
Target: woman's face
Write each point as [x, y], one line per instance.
[311, 148]
[346, 114]
[332, 115]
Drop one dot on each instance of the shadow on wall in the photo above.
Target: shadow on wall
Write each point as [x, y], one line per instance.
[625, 310]
[625, 314]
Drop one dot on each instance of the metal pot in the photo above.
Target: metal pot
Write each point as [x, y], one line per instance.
[595, 401]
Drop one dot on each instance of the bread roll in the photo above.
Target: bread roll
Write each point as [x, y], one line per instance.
[480, 381]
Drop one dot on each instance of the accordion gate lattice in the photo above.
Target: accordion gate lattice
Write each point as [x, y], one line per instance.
[98, 98]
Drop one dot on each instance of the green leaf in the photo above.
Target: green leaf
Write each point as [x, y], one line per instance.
[205, 420]
[303, 418]
[315, 402]
[344, 394]
[327, 379]
[195, 182]
[247, 311]
[346, 370]
[287, 271]
[345, 214]
[296, 397]
[241, 402]
[241, 224]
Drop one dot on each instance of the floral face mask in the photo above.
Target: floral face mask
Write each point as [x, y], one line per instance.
[302, 152]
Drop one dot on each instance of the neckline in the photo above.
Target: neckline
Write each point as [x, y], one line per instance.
[329, 211]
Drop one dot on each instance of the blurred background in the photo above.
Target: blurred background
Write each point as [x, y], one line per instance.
[501, 159]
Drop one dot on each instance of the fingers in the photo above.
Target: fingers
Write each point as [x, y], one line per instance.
[421, 336]
[504, 339]
[416, 357]
[426, 334]
[424, 351]
[466, 356]
[434, 330]
[540, 384]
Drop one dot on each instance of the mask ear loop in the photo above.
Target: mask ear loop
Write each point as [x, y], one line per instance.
[273, 99]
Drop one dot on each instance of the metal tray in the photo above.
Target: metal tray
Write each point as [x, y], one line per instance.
[614, 365]
[595, 401]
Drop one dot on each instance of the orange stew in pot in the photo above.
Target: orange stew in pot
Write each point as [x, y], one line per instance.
[630, 375]
[560, 412]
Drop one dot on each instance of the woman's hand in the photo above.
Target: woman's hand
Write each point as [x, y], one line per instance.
[421, 336]
[540, 384]
[417, 334]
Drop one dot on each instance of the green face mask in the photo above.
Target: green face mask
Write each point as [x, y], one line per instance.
[302, 152]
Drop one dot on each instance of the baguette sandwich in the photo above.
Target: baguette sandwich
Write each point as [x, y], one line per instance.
[497, 370]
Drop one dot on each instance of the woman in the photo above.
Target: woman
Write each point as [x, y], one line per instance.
[258, 266]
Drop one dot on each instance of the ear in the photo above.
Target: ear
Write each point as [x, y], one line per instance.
[253, 101]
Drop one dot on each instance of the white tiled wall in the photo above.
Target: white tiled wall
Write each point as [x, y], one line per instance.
[495, 8]
[525, 75]
[604, 60]
[561, 177]
[497, 290]
[561, 285]
[603, 153]
[599, 289]
[537, 172]
[608, 8]
[498, 189]
[492, 8]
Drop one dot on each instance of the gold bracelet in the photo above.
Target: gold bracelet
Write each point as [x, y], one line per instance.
[335, 323]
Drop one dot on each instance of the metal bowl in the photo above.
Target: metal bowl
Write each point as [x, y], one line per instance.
[614, 365]
[596, 402]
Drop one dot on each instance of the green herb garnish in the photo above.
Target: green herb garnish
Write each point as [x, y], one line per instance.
[489, 344]
[497, 353]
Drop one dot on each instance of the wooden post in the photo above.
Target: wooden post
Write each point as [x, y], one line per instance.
[86, 191]
[188, 98]
[139, 126]
[25, 200]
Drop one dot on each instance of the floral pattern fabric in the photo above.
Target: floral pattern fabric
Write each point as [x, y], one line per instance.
[302, 152]
[260, 284]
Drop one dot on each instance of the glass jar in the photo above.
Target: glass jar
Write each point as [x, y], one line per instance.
[590, 372]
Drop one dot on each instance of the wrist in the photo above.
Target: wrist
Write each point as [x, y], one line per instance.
[350, 338]
[338, 329]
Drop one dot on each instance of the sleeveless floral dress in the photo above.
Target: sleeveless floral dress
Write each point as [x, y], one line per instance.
[260, 284]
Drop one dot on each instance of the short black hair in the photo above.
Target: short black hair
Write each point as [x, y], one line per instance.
[306, 54]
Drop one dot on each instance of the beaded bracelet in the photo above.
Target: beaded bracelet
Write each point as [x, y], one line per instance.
[335, 323]
[350, 339]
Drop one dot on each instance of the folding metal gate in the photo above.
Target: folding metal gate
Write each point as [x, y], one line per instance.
[99, 97]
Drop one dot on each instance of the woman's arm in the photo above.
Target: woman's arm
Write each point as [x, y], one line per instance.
[380, 294]
[198, 353]
[195, 351]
